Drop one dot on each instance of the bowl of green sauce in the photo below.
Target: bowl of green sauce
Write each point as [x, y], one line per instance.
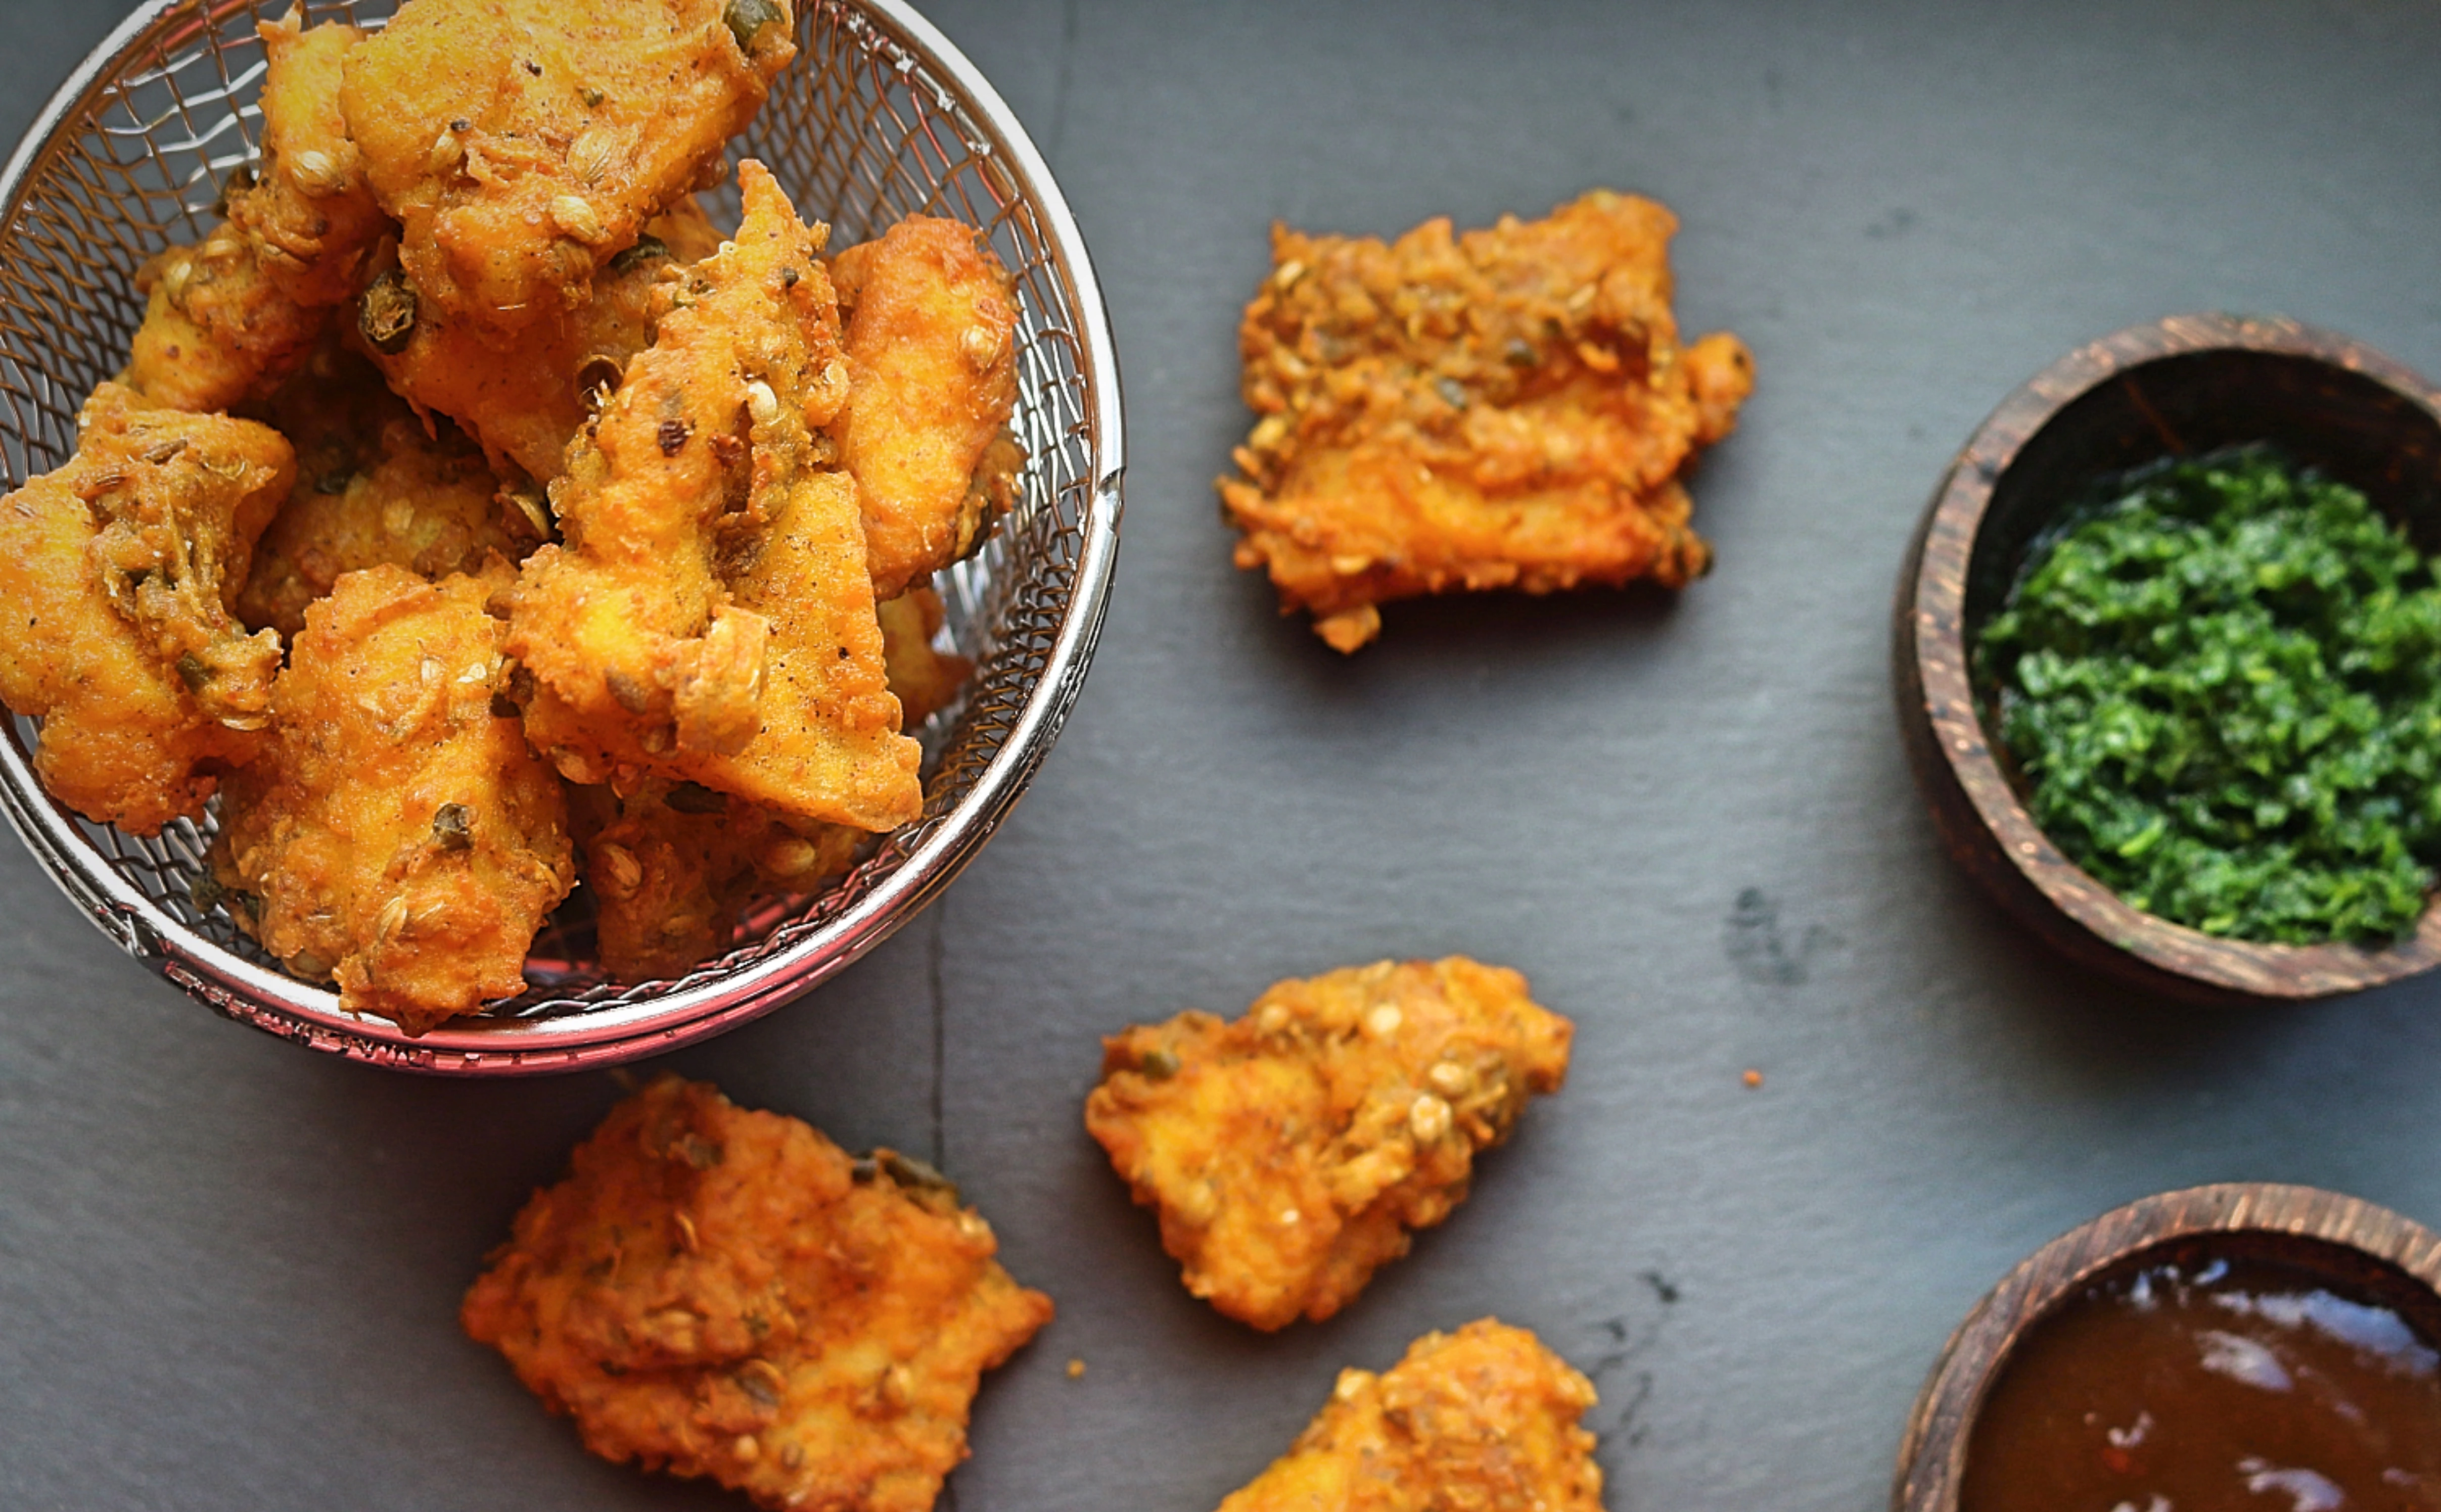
[2236, 1345]
[2168, 657]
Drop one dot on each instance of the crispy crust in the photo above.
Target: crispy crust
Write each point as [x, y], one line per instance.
[373, 486]
[1290, 1153]
[119, 567]
[399, 836]
[522, 144]
[228, 320]
[1481, 1420]
[721, 1292]
[1507, 409]
[525, 401]
[711, 617]
[931, 318]
[923, 679]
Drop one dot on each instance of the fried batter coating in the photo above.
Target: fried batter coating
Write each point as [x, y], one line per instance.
[1290, 1152]
[1507, 409]
[726, 1293]
[373, 486]
[672, 865]
[523, 144]
[118, 568]
[1481, 1420]
[227, 320]
[923, 679]
[523, 403]
[931, 319]
[398, 836]
[711, 617]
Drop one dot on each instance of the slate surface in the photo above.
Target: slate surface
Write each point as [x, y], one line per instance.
[228, 1268]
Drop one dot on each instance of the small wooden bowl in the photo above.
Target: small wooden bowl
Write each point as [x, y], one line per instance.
[2366, 1251]
[2190, 384]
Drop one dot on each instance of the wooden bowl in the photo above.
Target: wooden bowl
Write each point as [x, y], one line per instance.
[2365, 1251]
[2190, 384]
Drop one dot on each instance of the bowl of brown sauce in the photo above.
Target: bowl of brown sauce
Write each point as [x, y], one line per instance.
[2068, 446]
[2228, 1345]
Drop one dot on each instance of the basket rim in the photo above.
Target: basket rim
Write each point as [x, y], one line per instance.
[281, 1005]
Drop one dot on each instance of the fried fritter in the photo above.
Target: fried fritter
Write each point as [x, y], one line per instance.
[227, 320]
[118, 568]
[923, 679]
[1481, 1420]
[726, 1293]
[1507, 409]
[373, 486]
[931, 318]
[672, 865]
[523, 144]
[398, 836]
[710, 617]
[523, 403]
[1290, 1152]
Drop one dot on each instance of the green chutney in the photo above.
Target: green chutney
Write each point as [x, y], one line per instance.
[2221, 683]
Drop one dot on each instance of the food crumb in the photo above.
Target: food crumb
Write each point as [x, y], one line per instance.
[1753, 1078]
[1076, 1370]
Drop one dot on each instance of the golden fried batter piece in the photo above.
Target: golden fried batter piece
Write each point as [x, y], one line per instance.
[1482, 1420]
[524, 143]
[931, 320]
[710, 617]
[1290, 1152]
[1509, 408]
[118, 570]
[672, 865]
[373, 486]
[227, 320]
[398, 836]
[524, 402]
[924, 681]
[727, 1293]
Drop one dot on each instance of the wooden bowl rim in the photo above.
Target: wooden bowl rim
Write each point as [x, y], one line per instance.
[1935, 601]
[1932, 1454]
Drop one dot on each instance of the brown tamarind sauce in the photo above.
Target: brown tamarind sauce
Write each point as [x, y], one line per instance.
[2212, 1384]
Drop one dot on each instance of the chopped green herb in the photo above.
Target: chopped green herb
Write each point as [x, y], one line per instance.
[2223, 687]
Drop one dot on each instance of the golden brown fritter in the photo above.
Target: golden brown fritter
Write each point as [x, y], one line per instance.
[1481, 1420]
[923, 679]
[118, 569]
[524, 402]
[710, 617]
[726, 1293]
[373, 486]
[1507, 409]
[930, 340]
[227, 320]
[1290, 1152]
[522, 144]
[672, 865]
[398, 836]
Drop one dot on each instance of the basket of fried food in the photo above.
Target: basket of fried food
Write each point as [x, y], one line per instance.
[535, 532]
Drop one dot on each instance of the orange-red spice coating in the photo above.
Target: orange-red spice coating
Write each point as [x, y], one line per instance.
[398, 836]
[118, 570]
[1509, 408]
[228, 319]
[1288, 1153]
[930, 325]
[1481, 1420]
[727, 1293]
[522, 144]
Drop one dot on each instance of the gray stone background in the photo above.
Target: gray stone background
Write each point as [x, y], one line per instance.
[229, 1268]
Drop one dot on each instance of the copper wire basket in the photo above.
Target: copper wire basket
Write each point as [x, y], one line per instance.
[877, 118]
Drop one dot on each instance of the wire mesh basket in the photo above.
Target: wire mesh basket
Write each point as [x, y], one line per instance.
[877, 118]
